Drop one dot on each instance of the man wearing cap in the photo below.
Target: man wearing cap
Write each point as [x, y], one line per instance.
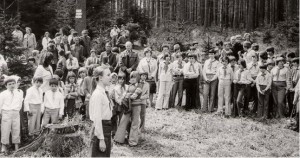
[18, 35]
[112, 57]
[281, 83]
[129, 60]
[85, 41]
[263, 85]
[211, 82]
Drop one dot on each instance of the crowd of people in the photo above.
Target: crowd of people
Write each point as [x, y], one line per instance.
[113, 88]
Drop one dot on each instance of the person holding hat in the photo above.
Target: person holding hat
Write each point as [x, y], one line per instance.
[10, 105]
[281, 83]
[93, 59]
[85, 41]
[263, 85]
[45, 40]
[18, 35]
[211, 82]
[295, 76]
[29, 41]
[149, 65]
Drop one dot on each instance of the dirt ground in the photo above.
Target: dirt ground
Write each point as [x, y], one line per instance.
[179, 133]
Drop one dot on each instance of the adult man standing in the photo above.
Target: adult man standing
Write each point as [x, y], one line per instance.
[77, 50]
[108, 57]
[18, 35]
[85, 41]
[129, 60]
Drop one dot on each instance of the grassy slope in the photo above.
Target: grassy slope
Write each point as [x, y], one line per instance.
[181, 133]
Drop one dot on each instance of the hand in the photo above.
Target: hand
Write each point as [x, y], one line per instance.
[60, 117]
[150, 77]
[102, 145]
[207, 80]
[29, 113]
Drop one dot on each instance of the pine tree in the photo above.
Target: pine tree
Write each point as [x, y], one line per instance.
[207, 44]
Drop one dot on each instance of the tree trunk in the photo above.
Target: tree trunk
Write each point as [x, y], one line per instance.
[156, 13]
[250, 24]
[235, 16]
[198, 19]
[171, 9]
[221, 15]
[206, 16]
[161, 12]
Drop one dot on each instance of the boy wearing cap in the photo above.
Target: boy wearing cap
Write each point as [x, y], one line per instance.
[281, 83]
[263, 85]
[10, 105]
[210, 68]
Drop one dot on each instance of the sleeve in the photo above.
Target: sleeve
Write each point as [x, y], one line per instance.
[249, 78]
[76, 65]
[44, 43]
[146, 95]
[62, 105]
[231, 75]
[26, 100]
[134, 66]
[218, 73]
[1, 101]
[288, 79]
[38, 72]
[269, 82]
[257, 85]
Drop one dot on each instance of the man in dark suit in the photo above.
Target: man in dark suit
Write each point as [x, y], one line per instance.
[108, 57]
[85, 41]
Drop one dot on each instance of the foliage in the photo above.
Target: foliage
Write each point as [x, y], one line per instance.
[13, 53]
[267, 37]
[291, 30]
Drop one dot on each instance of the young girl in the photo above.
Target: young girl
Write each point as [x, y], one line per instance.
[71, 93]
[110, 89]
[88, 89]
[82, 72]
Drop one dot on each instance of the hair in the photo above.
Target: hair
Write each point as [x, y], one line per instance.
[37, 79]
[291, 55]
[116, 50]
[219, 43]
[76, 38]
[247, 44]
[99, 71]
[28, 28]
[179, 55]
[270, 49]
[135, 74]
[71, 74]
[255, 46]
[82, 70]
[90, 71]
[163, 46]
[59, 73]
[246, 34]
[61, 53]
[53, 81]
[243, 63]
[227, 43]
[147, 50]
[166, 55]
[46, 59]
[263, 55]
[225, 59]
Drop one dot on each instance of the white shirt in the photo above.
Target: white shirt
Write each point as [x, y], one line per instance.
[248, 56]
[164, 75]
[253, 68]
[45, 74]
[53, 100]
[72, 65]
[34, 95]
[210, 68]
[11, 101]
[99, 109]
[191, 70]
[243, 77]
[221, 73]
[45, 42]
[148, 65]
[175, 67]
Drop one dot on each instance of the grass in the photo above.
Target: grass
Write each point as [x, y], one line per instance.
[184, 134]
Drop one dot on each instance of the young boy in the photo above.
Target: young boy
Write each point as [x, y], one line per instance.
[263, 85]
[53, 105]
[32, 105]
[144, 96]
[225, 76]
[253, 67]
[10, 105]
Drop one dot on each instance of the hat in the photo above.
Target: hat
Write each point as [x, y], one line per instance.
[74, 32]
[143, 73]
[238, 36]
[15, 77]
[93, 50]
[57, 34]
[279, 59]
[295, 60]
[8, 79]
[71, 74]
[270, 49]
[85, 31]
[165, 45]
[264, 66]
[82, 69]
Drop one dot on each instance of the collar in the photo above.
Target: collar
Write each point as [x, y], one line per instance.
[100, 89]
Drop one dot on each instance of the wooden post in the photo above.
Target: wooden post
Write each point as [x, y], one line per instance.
[80, 17]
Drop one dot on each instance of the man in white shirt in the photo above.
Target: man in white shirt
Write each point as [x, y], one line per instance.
[32, 104]
[10, 104]
[53, 105]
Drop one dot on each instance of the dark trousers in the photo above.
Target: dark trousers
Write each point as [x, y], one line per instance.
[192, 93]
[107, 127]
[279, 93]
[70, 108]
[177, 88]
[263, 103]
[235, 109]
[253, 96]
[290, 99]
[242, 101]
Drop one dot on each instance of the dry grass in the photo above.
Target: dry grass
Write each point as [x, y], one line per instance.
[180, 133]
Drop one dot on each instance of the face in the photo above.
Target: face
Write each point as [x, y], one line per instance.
[114, 79]
[72, 79]
[133, 80]
[143, 77]
[295, 64]
[245, 48]
[240, 65]
[247, 37]
[82, 75]
[280, 63]
[165, 49]
[233, 40]
[227, 47]
[211, 55]
[53, 87]
[121, 80]
[128, 46]
[38, 84]
[263, 70]
[105, 79]
[148, 54]
[168, 58]
[76, 40]
[233, 62]
[192, 59]
[238, 40]
[85, 34]
[254, 59]
[108, 47]
[11, 85]
[58, 39]
[31, 62]
[28, 31]
[225, 62]
[47, 34]
[179, 58]
[270, 53]
[270, 67]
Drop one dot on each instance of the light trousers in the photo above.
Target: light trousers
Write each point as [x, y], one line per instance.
[35, 118]
[10, 124]
[209, 95]
[163, 94]
[224, 95]
[134, 116]
[50, 114]
[278, 93]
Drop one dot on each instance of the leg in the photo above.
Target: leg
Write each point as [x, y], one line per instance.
[275, 100]
[54, 115]
[16, 128]
[206, 88]
[121, 131]
[260, 106]
[32, 119]
[221, 89]
[46, 117]
[227, 96]
[266, 104]
[38, 119]
[167, 94]
[6, 124]
[213, 90]
[173, 94]
[281, 101]
[143, 116]
[134, 130]
[160, 96]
